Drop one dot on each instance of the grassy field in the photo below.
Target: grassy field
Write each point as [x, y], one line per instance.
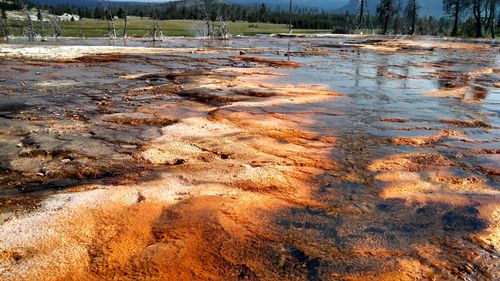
[140, 27]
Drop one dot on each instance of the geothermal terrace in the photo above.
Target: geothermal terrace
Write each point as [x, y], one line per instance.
[343, 158]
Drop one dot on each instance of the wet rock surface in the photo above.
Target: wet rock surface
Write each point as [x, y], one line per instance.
[364, 159]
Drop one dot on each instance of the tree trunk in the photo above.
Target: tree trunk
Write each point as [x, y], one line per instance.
[386, 23]
[4, 30]
[361, 14]
[479, 29]
[396, 20]
[493, 15]
[125, 28]
[290, 18]
[477, 16]
[413, 17]
[454, 32]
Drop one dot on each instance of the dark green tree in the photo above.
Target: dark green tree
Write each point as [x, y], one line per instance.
[97, 13]
[263, 13]
[39, 14]
[122, 14]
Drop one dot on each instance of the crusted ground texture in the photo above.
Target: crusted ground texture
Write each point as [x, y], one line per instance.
[324, 158]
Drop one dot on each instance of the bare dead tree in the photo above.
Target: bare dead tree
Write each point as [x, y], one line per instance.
[110, 20]
[43, 32]
[221, 29]
[56, 29]
[290, 13]
[385, 10]
[397, 19]
[80, 32]
[492, 18]
[4, 28]
[361, 17]
[122, 14]
[157, 33]
[207, 31]
[218, 28]
[412, 16]
[30, 30]
[125, 17]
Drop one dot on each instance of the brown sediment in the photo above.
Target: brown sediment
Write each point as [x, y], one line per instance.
[227, 171]
[254, 72]
[435, 65]
[444, 45]
[413, 162]
[382, 70]
[100, 58]
[482, 71]
[465, 93]
[467, 123]
[428, 179]
[469, 86]
[471, 75]
[416, 47]
[309, 51]
[425, 140]
[267, 62]
[382, 48]
[489, 163]
[458, 92]
[158, 92]
[164, 75]
[136, 119]
[22, 70]
[396, 120]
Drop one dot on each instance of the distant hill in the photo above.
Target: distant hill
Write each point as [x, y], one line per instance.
[327, 5]
[72, 3]
[427, 7]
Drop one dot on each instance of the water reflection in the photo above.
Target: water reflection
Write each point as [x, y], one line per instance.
[479, 93]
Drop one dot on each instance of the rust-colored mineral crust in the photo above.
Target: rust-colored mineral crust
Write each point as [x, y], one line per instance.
[349, 158]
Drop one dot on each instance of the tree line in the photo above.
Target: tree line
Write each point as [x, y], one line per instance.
[480, 15]
[464, 17]
[303, 18]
